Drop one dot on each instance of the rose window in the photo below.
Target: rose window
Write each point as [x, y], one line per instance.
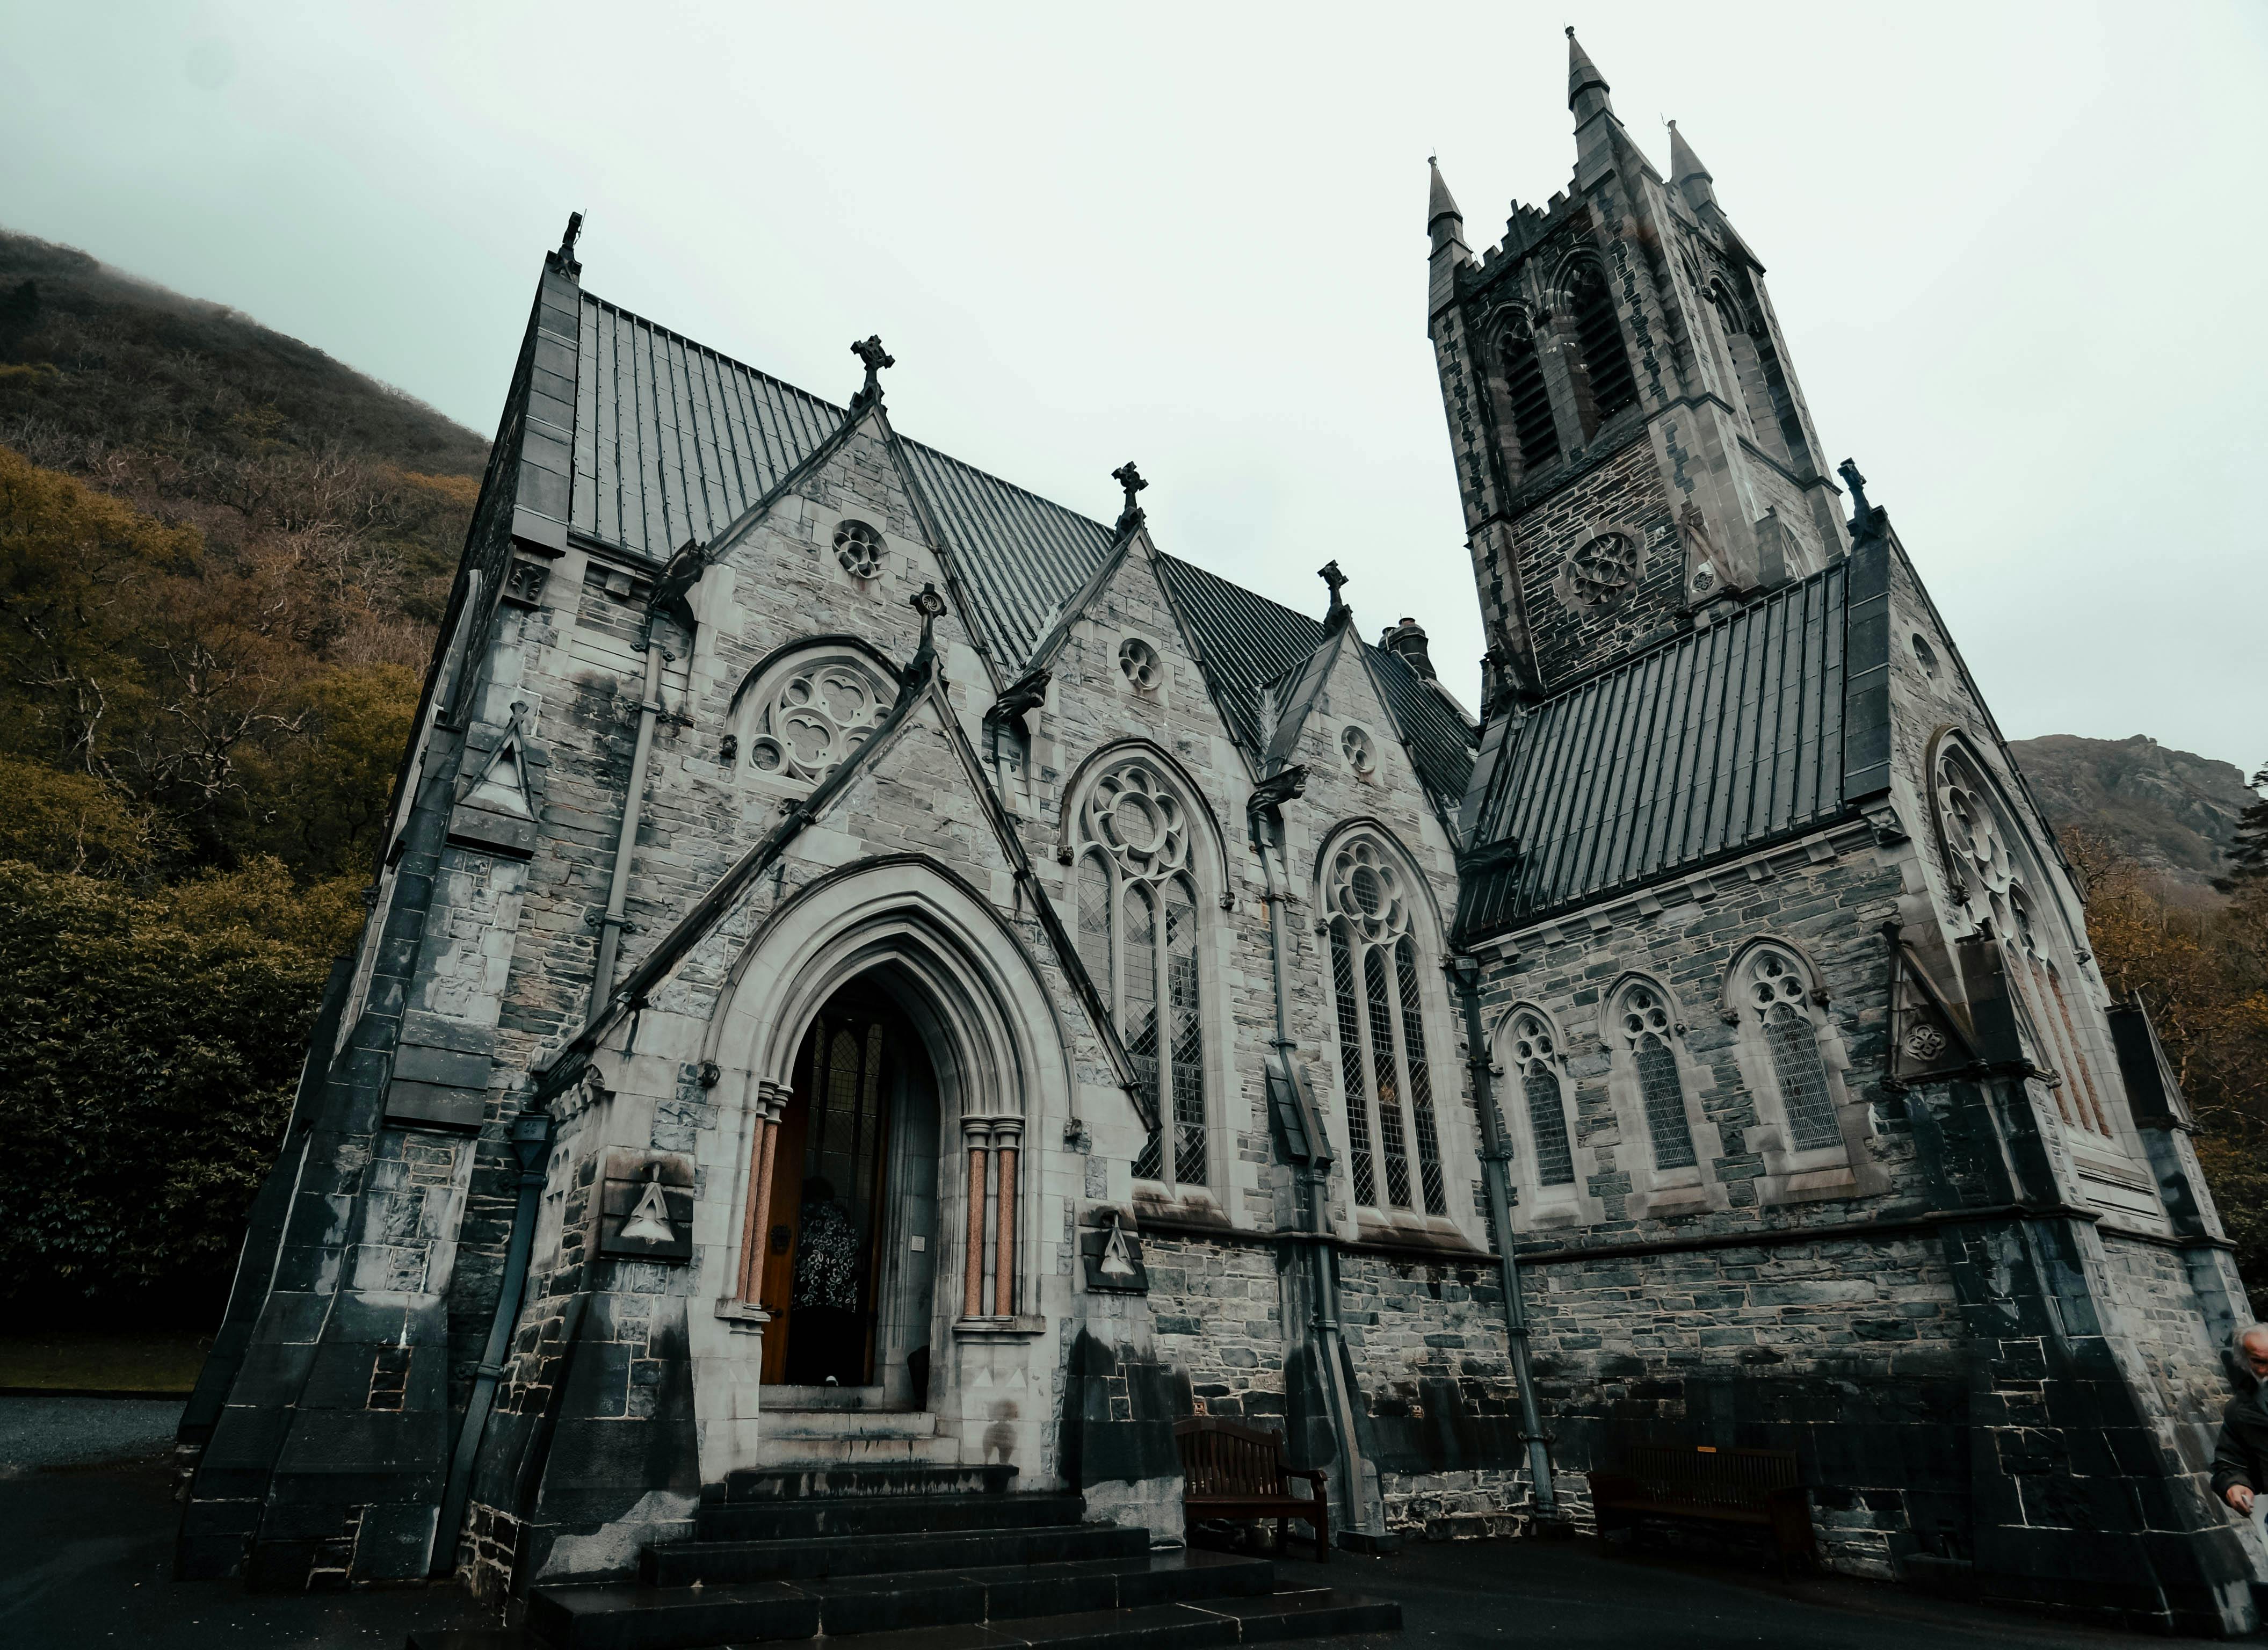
[1366, 889]
[1140, 822]
[859, 549]
[1354, 745]
[1137, 661]
[818, 716]
[1605, 568]
[1971, 829]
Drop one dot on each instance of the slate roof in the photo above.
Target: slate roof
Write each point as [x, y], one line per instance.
[673, 441]
[1712, 744]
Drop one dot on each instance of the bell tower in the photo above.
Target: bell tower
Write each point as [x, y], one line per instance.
[1630, 444]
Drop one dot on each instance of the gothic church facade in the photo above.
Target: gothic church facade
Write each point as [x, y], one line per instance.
[873, 966]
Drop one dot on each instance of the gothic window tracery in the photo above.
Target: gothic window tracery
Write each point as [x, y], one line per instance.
[1777, 999]
[1644, 1028]
[1604, 567]
[1993, 878]
[810, 712]
[1138, 663]
[1535, 1060]
[1355, 746]
[1136, 894]
[1394, 1141]
[858, 548]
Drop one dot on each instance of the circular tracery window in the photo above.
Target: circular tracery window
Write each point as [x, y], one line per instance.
[859, 549]
[1773, 980]
[1604, 567]
[1367, 889]
[1139, 661]
[817, 717]
[1354, 745]
[1132, 814]
[1643, 1013]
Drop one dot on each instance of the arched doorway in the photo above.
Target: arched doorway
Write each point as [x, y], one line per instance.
[850, 1248]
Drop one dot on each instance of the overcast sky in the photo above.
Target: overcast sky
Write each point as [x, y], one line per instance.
[2019, 252]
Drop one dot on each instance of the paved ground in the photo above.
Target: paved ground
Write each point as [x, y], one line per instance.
[87, 1523]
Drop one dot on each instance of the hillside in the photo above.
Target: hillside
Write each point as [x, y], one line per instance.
[242, 646]
[2174, 814]
[223, 556]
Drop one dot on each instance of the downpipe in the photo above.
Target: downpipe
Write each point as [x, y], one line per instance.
[531, 1144]
[1364, 1516]
[1496, 1155]
[610, 925]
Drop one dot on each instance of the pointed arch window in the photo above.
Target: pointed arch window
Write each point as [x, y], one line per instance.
[1644, 1028]
[1535, 1060]
[1993, 878]
[1603, 381]
[1393, 1139]
[1779, 1002]
[1137, 936]
[1532, 424]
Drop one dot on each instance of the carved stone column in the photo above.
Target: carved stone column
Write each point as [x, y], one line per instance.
[977, 1136]
[771, 1100]
[1007, 1138]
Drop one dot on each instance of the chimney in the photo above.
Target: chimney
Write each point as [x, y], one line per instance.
[1408, 638]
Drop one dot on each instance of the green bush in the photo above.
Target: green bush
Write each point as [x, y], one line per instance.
[149, 1050]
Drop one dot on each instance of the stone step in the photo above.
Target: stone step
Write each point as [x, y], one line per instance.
[779, 1450]
[788, 1519]
[833, 1479]
[848, 1423]
[683, 1563]
[1025, 1604]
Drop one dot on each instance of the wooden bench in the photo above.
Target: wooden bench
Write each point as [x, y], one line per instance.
[1232, 1472]
[1753, 1491]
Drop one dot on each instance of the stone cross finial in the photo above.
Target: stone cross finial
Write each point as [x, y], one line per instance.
[870, 351]
[1848, 470]
[1130, 478]
[1338, 612]
[565, 256]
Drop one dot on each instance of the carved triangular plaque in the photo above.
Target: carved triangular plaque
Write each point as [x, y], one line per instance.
[1928, 1040]
[649, 1222]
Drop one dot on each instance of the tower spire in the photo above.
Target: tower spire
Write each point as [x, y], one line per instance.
[1688, 172]
[1596, 128]
[1445, 227]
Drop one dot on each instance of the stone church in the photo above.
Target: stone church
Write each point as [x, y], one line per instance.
[877, 972]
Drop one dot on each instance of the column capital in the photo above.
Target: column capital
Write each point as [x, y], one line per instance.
[772, 1098]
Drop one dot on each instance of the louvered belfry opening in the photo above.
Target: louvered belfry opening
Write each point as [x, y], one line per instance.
[1531, 401]
[1604, 380]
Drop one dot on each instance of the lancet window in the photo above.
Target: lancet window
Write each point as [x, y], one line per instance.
[1138, 936]
[1385, 1066]
[1604, 381]
[1995, 879]
[1543, 1103]
[1780, 1003]
[1532, 425]
[1643, 1027]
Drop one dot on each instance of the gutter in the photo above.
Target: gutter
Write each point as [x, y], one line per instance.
[531, 1143]
[1495, 1153]
[610, 925]
[1366, 1518]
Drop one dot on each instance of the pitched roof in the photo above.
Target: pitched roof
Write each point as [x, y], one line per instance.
[1712, 744]
[673, 441]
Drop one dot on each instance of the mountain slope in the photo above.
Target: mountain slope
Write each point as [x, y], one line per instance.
[2173, 813]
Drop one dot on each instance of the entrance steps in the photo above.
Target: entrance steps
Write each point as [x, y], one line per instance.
[860, 1555]
[792, 1438]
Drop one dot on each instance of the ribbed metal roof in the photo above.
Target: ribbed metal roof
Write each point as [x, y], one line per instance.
[1440, 741]
[673, 441]
[1714, 742]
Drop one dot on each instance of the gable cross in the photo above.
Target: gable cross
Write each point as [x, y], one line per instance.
[1130, 478]
[870, 351]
